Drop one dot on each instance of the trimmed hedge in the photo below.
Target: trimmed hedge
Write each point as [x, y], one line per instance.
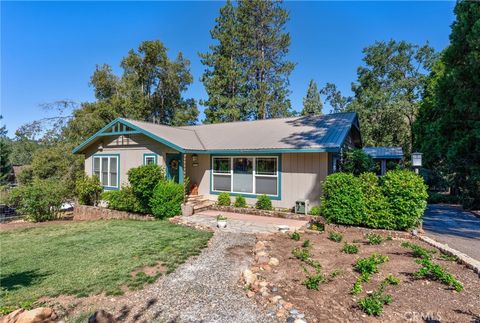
[122, 200]
[143, 180]
[167, 199]
[396, 201]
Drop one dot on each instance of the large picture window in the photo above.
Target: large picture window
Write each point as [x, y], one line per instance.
[245, 174]
[106, 169]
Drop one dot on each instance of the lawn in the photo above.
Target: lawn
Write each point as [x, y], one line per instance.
[85, 258]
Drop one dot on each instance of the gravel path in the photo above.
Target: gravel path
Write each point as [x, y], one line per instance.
[203, 290]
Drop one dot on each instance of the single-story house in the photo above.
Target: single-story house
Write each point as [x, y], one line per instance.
[285, 158]
[384, 157]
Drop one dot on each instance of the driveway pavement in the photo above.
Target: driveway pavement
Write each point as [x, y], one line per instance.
[455, 227]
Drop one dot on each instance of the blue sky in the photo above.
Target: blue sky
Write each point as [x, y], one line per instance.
[49, 49]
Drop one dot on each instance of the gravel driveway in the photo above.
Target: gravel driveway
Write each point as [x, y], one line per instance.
[455, 227]
[203, 290]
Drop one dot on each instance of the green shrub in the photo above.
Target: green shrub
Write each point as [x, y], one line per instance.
[433, 271]
[312, 281]
[264, 202]
[295, 236]
[167, 199]
[350, 248]
[406, 194]
[335, 236]
[391, 280]
[370, 264]
[419, 252]
[342, 200]
[240, 201]
[88, 190]
[356, 161]
[374, 239]
[357, 287]
[306, 243]
[373, 303]
[301, 253]
[224, 199]
[376, 209]
[143, 180]
[39, 201]
[315, 210]
[122, 200]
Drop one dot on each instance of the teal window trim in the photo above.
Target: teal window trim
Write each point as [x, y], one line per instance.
[249, 195]
[155, 156]
[106, 187]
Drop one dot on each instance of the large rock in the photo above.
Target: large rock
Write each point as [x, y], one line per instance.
[249, 277]
[37, 315]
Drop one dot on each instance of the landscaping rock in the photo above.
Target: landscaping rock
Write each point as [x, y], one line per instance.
[250, 294]
[263, 260]
[37, 315]
[261, 254]
[249, 277]
[275, 299]
[101, 317]
[281, 313]
[290, 319]
[260, 245]
[300, 321]
[288, 306]
[273, 262]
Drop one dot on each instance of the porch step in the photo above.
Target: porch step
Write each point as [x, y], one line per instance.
[199, 202]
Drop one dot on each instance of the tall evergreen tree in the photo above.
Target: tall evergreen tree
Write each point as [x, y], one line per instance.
[312, 103]
[453, 122]
[264, 45]
[223, 78]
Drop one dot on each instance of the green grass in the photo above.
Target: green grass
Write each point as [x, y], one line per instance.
[85, 258]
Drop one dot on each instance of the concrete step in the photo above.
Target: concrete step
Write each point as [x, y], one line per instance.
[195, 197]
[203, 205]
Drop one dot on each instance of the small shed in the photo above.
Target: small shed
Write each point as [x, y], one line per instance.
[382, 155]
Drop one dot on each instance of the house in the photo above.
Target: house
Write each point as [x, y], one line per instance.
[385, 157]
[285, 158]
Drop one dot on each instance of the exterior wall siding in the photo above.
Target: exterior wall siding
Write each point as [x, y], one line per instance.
[300, 179]
[130, 149]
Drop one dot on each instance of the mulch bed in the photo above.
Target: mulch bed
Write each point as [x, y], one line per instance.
[414, 299]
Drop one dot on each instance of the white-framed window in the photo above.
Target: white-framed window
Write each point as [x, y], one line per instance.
[245, 174]
[149, 159]
[106, 168]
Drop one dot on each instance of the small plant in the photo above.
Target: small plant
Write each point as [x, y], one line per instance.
[316, 226]
[314, 263]
[373, 304]
[350, 248]
[370, 265]
[264, 202]
[221, 217]
[433, 271]
[224, 199]
[312, 282]
[391, 280]
[335, 236]
[374, 239]
[447, 257]
[301, 253]
[389, 238]
[306, 243]
[315, 210]
[295, 236]
[335, 273]
[419, 252]
[357, 287]
[240, 201]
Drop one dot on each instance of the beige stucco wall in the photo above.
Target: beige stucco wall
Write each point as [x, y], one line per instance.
[301, 177]
[130, 149]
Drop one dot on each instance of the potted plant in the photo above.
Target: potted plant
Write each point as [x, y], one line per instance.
[221, 221]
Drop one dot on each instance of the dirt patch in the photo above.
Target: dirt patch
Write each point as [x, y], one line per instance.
[413, 299]
[150, 270]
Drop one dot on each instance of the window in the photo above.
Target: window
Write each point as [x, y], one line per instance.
[106, 169]
[149, 159]
[222, 179]
[243, 174]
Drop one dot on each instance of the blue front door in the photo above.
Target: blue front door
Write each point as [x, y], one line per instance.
[175, 167]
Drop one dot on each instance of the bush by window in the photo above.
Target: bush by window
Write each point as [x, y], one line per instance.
[240, 201]
[224, 199]
[167, 199]
[88, 190]
[143, 180]
[264, 202]
[122, 200]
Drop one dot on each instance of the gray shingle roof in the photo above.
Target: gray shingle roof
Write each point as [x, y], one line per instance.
[384, 152]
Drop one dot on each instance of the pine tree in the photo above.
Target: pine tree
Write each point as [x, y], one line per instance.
[264, 45]
[223, 78]
[312, 104]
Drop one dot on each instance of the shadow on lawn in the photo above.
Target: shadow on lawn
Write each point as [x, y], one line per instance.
[22, 279]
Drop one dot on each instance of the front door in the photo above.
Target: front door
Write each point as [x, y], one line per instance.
[173, 166]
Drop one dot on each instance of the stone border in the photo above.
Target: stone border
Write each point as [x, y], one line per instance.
[252, 211]
[89, 213]
[462, 258]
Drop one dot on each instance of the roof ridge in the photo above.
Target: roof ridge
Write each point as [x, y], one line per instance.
[158, 124]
